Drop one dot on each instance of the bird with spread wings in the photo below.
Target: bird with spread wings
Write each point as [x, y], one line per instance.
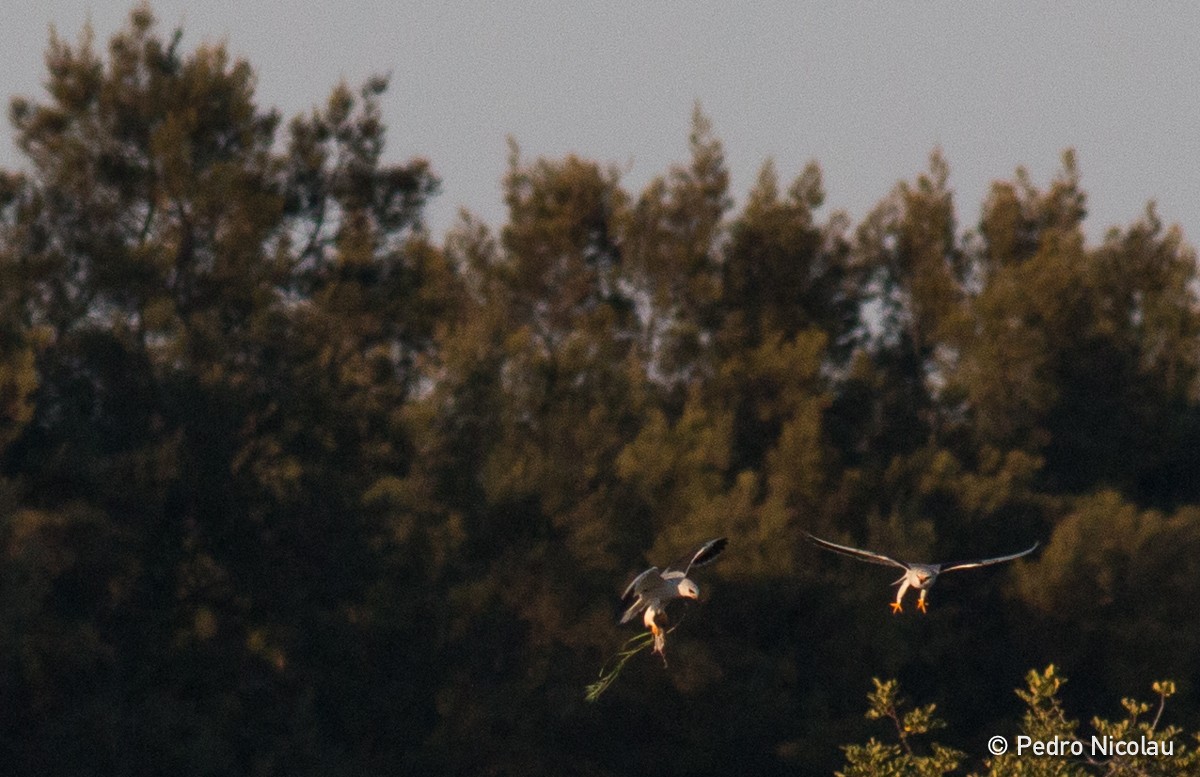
[650, 591]
[918, 576]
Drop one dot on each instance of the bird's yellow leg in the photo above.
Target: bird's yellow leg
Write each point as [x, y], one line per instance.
[921, 603]
[897, 607]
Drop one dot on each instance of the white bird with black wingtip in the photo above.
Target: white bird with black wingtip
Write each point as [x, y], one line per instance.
[918, 576]
[653, 589]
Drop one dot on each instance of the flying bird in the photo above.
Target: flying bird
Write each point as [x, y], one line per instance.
[918, 576]
[653, 589]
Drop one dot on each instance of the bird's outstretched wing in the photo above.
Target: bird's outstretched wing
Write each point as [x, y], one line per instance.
[858, 553]
[633, 595]
[702, 554]
[640, 583]
[953, 565]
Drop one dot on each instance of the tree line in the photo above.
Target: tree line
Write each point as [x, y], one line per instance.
[290, 486]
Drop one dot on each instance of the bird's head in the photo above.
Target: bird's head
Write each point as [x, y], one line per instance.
[688, 589]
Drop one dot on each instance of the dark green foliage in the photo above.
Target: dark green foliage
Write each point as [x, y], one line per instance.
[1044, 721]
[286, 487]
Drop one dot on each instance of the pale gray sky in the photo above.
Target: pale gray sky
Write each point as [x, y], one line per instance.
[867, 89]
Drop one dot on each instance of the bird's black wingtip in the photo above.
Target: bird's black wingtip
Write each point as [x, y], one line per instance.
[709, 551]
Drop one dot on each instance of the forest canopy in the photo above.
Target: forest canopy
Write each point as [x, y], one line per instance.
[290, 486]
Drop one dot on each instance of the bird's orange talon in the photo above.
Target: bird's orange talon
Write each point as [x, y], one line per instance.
[921, 605]
[897, 607]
